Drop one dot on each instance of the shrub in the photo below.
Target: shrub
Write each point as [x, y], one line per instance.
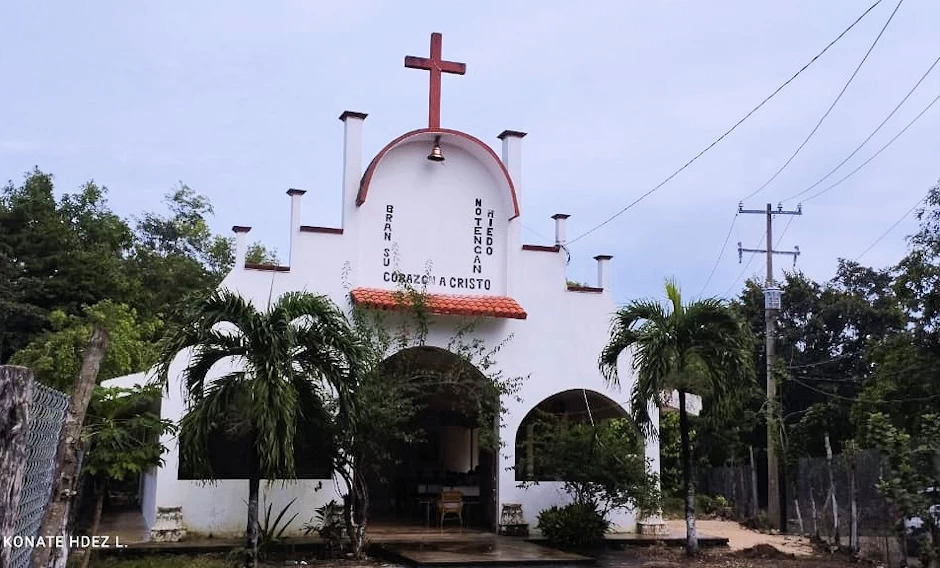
[574, 526]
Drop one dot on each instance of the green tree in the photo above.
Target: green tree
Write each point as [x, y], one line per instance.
[176, 257]
[601, 465]
[911, 481]
[122, 433]
[286, 355]
[699, 347]
[56, 356]
[56, 255]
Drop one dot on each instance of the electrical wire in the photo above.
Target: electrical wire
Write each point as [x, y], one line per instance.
[870, 136]
[891, 228]
[730, 130]
[721, 252]
[785, 229]
[819, 363]
[832, 106]
[876, 154]
[536, 233]
[851, 399]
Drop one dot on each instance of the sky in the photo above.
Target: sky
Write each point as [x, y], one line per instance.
[239, 100]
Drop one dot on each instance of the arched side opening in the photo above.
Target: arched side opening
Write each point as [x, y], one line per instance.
[567, 408]
[448, 451]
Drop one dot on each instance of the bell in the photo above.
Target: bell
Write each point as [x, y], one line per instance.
[436, 155]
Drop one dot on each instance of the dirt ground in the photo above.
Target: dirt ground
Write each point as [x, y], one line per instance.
[761, 556]
[740, 538]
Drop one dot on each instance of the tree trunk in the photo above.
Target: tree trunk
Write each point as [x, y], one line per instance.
[355, 509]
[832, 491]
[691, 539]
[815, 513]
[16, 396]
[102, 490]
[853, 508]
[362, 511]
[755, 505]
[66, 459]
[799, 515]
[254, 488]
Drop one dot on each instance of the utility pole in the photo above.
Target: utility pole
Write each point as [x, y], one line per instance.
[771, 307]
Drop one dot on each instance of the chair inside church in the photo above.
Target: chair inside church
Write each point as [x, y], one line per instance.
[450, 503]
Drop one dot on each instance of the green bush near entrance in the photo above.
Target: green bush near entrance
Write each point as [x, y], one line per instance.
[577, 526]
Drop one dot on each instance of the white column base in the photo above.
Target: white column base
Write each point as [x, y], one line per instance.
[168, 525]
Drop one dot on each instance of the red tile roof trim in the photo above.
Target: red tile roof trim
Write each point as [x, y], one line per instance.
[444, 304]
[573, 288]
[542, 248]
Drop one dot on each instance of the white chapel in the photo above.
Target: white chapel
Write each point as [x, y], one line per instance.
[441, 209]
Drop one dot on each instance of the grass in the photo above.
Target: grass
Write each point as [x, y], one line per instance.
[165, 561]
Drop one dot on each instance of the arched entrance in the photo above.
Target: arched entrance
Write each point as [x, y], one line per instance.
[576, 406]
[448, 451]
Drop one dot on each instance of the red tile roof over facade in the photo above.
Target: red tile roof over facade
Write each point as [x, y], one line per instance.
[444, 304]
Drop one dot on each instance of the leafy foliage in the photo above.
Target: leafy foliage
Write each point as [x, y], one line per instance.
[576, 526]
[328, 524]
[601, 465]
[702, 347]
[123, 432]
[271, 532]
[56, 356]
[911, 483]
[260, 375]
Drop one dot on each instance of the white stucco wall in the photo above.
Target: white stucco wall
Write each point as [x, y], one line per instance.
[434, 219]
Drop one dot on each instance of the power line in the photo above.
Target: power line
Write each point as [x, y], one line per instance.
[730, 130]
[852, 399]
[721, 252]
[536, 233]
[784, 232]
[876, 154]
[832, 106]
[891, 228]
[725, 245]
[826, 362]
[870, 136]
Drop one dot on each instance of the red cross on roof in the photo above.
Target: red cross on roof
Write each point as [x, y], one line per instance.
[436, 66]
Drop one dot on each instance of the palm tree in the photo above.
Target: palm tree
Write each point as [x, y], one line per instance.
[700, 347]
[283, 359]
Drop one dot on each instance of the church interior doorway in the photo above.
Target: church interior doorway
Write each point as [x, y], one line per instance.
[449, 457]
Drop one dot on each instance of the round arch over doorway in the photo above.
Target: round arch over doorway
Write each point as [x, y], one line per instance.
[448, 453]
[572, 406]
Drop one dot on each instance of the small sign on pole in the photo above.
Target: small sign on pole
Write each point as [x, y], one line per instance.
[772, 296]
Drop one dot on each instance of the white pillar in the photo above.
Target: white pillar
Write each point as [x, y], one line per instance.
[512, 159]
[352, 159]
[651, 522]
[603, 271]
[560, 232]
[295, 196]
[241, 246]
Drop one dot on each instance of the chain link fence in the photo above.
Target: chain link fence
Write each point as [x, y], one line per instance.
[46, 415]
[819, 503]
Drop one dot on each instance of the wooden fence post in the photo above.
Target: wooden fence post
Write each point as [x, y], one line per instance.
[16, 395]
[66, 459]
